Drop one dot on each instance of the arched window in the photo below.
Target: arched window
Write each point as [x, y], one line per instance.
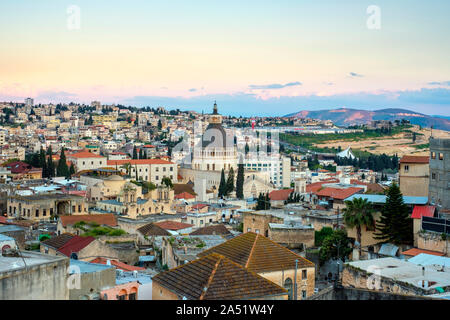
[289, 286]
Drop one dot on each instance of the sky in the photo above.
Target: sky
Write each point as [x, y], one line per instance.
[256, 58]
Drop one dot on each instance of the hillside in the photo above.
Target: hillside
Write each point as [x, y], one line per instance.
[348, 117]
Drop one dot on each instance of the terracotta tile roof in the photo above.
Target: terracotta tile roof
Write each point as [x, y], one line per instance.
[173, 225]
[211, 230]
[152, 229]
[316, 186]
[58, 241]
[75, 244]
[415, 159]
[423, 211]
[415, 251]
[118, 264]
[137, 162]
[84, 154]
[184, 195]
[102, 219]
[199, 206]
[339, 194]
[280, 194]
[183, 187]
[258, 253]
[215, 277]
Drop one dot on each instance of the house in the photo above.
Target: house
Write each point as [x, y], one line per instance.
[278, 197]
[271, 261]
[23, 171]
[414, 174]
[117, 264]
[31, 275]
[417, 214]
[86, 160]
[216, 278]
[175, 227]
[66, 222]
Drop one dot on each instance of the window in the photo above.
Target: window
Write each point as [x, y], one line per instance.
[164, 169]
[37, 212]
[433, 155]
[249, 229]
[257, 230]
[406, 168]
[79, 208]
[157, 177]
[171, 168]
[122, 297]
[433, 176]
[44, 213]
[304, 274]
[201, 221]
[441, 156]
[303, 294]
[132, 296]
[157, 169]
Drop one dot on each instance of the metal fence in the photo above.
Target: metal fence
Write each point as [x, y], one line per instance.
[436, 225]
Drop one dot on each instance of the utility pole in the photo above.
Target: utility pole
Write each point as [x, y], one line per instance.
[295, 280]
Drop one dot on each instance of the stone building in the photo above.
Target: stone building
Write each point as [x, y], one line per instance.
[439, 187]
[414, 175]
[45, 206]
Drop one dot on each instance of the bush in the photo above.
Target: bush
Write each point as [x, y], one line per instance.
[319, 236]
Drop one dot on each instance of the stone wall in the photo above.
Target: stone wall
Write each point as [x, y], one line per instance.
[293, 238]
[434, 242]
[46, 281]
[94, 282]
[342, 293]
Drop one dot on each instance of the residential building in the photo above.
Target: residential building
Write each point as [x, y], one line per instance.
[439, 187]
[414, 175]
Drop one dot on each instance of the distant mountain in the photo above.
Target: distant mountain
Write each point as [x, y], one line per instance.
[348, 117]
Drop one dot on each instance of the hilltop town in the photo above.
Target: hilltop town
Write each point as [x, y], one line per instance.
[112, 202]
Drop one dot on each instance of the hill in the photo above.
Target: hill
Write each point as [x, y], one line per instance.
[348, 117]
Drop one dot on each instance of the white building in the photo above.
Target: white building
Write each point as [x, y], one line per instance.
[87, 161]
[279, 168]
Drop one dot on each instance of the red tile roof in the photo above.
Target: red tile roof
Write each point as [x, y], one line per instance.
[75, 245]
[184, 195]
[173, 225]
[339, 194]
[415, 251]
[211, 230]
[423, 211]
[283, 194]
[199, 206]
[118, 264]
[152, 229]
[84, 154]
[102, 219]
[137, 162]
[316, 186]
[415, 159]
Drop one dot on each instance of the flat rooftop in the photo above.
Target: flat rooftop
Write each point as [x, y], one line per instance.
[32, 259]
[404, 271]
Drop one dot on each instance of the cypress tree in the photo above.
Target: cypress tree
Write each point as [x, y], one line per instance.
[43, 163]
[395, 225]
[141, 154]
[50, 163]
[240, 182]
[230, 182]
[72, 170]
[62, 170]
[222, 185]
[135, 154]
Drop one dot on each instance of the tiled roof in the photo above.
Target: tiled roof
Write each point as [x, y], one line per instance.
[280, 194]
[102, 219]
[84, 154]
[58, 241]
[137, 162]
[184, 195]
[199, 206]
[152, 229]
[211, 230]
[316, 186]
[75, 244]
[215, 277]
[183, 187]
[415, 159]
[118, 264]
[173, 225]
[339, 194]
[423, 211]
[258, 253]
[415, 251]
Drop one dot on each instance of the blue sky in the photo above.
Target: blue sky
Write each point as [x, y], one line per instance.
[253, 57]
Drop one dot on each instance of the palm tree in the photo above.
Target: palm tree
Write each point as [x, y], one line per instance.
[127, 167]
[358, 213]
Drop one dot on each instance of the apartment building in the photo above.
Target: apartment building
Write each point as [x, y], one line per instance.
[151, 170]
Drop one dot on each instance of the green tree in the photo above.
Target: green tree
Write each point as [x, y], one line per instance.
[43, 163]
[141, 153]
[358, 213]
[135, 153]
[50, 164]
[335, 246]
[62, 170]
[240, 182]
[395, 225]
[72, 169]
[159, 125]
[222, 185]
[230, 182]
[167, 182]
[319, 236]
